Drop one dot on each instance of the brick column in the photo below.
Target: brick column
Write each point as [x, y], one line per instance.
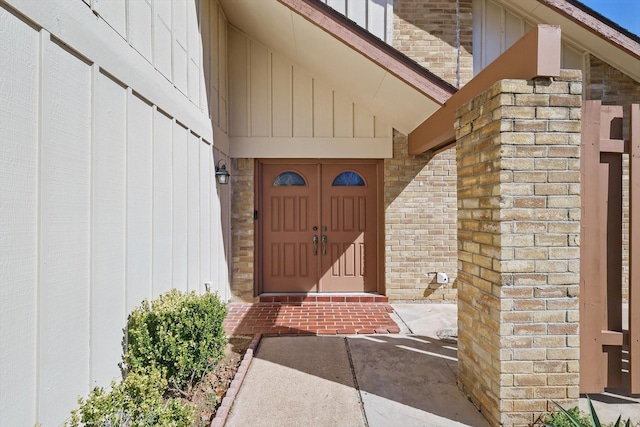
[242, 230]
[518, 158]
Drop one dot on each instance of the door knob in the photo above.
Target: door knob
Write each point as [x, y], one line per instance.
[324, 244]
[314, 239]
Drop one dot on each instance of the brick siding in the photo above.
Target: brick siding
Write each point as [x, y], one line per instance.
[420, 224]
[427, 31]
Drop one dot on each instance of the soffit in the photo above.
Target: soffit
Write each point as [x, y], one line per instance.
[332, 60]
[584, 31]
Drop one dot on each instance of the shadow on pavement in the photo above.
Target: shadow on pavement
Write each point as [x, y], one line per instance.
[403, 379]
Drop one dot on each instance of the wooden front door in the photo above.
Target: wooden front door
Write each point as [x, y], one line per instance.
[319, 226]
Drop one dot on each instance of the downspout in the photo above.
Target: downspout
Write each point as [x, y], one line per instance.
[458, 44]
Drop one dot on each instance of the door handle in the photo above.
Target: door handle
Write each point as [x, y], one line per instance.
[324, 244]
[315, 244]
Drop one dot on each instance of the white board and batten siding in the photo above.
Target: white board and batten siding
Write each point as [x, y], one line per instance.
[375, 16]
[496, 28]
[280, 109]
[107, 187]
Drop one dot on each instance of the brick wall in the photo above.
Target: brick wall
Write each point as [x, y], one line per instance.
[612, 87]
[420, 224]
[431, 33]
[518, 159]
[242, 229]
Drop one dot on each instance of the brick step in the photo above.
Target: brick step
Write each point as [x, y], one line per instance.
[301, 298]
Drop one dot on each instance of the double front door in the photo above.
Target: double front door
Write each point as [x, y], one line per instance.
[319, 227]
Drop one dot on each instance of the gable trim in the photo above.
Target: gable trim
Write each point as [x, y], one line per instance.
[360, 40]
[597, 24]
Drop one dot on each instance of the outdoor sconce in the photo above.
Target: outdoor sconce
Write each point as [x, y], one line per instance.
[222, 174]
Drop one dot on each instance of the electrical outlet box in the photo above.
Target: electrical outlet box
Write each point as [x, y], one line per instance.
[442, 278]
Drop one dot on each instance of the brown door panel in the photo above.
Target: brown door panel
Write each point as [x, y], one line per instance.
[289, 214]
[350, 216]
[343, 257]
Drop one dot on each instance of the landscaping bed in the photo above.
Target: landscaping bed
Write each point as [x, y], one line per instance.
[208, 394]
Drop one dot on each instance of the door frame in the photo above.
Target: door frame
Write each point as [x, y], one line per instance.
[258, 200]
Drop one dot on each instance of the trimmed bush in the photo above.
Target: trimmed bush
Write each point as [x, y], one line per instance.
[137, 401]
[180, 334]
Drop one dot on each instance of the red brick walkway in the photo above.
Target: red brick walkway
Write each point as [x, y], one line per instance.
[314, 317]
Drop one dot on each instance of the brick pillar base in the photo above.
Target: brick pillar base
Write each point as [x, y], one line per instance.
[518, 158]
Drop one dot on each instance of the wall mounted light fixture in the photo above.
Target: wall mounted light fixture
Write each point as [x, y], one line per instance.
[222, 174]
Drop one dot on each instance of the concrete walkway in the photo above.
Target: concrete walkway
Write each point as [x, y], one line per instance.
[374, 380]
[380, 380]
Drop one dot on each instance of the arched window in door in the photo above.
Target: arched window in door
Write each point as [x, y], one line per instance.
[348, 179]
[286, 179]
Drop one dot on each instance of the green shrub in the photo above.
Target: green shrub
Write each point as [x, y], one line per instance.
[575, 418]
[137, 401]
[560, 419]
[181, 334]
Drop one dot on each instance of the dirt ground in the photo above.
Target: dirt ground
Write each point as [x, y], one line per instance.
[209, 393]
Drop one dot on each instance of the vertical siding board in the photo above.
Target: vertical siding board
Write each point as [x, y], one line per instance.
[224, 221]
[64, 237]
[302, 103]
[376, 15]
[222, 28]
[108, 219]
[205, 34]
[214, 38]
[342, 116]
[205, 156]
[194, 45]
[239, 91]
[180, 207]
[322, 110]
[299, 105]
[215, 102]
[224, 122]
[193, 213]
[140, 16]
[114, 12]
[214, 221]
[339, 5]
[357, 12]
[388, 35]
[162, 38]
[19, 220]
[382, 128]
[180, 55]
[213, 73]
[139, 201]
[363, 126]
[218, 267]
[513, 29]
[492, 33]
[281, 97]
[259, 90]
[478, 35]
[162, 203]
[87, 193]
